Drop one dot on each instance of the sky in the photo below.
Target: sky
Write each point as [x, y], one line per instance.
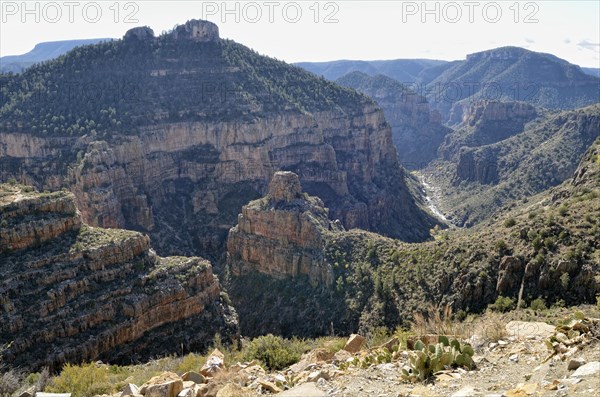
[312, 30]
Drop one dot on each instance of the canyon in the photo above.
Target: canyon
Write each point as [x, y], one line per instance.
[72, 293]
[182, 177]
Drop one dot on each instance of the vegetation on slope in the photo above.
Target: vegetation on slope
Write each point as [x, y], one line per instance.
[122, 85]
[547, 248]
[482, 179]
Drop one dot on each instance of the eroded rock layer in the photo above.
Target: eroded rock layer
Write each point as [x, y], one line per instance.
[179, 131]
[70, 292]
[282, 234]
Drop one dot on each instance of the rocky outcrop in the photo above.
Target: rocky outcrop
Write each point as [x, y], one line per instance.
[73, 293]
[282, 234]
[199, 134]
[488, 122]
[197, 30]
[139, 33]
[417, 131]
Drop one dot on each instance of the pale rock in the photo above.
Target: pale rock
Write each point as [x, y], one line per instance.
[303, 390]
[214, 364]
[467, 391]
[193, 376]
[130, 390]
[521, 330]
[316, 375]
[354, 343]
[587, 370]
[167, 384]
[270, 387]
[342, 356]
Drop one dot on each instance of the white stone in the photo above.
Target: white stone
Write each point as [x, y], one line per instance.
[589, 369]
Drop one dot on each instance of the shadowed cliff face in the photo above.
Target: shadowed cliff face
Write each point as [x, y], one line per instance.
[180, 161]
[417, 131]
[547, 247]
[73, 293]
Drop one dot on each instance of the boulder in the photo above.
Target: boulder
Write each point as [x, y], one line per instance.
[342, 356]
[574, 364]
[193, 376]
[130, 390]
[316, 375]
[390, 344]
[587, 370]
[268, 386]
[214, 364]
[304, 390]
[312, 357]
[167, 384]
[529, 330]
[354, 343]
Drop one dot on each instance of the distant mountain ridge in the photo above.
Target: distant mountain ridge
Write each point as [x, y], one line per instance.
[505, 73]
[42, 52]
[403, 70]
[509, 74]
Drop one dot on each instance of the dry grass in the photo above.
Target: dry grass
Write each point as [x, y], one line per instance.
[439, 322]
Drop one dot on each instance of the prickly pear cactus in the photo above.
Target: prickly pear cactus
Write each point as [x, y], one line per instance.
[425, 360]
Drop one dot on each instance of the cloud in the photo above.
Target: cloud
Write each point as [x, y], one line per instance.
[588, 45]
[567, 41]
[528, 40]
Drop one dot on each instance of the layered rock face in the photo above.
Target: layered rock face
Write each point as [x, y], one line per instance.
[487, 122]
[276, 261]
[210, 123]
[416, 129]
[281, 235]
[72, 293]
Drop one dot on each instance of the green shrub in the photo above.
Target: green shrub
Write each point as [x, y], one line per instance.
[275, 352]
[84, 380]
[510, 222]
[191, 362]
[501, 247]
[503, 304]
[564, 280]
[538, 304]
[563, 210]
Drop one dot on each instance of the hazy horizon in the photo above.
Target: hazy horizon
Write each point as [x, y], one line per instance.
[328, 31]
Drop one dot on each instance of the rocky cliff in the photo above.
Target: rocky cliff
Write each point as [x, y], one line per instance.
[195, 131]
[417, 131]
[282, 234]
[546, 249]
[487, 122]
[71, 293]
